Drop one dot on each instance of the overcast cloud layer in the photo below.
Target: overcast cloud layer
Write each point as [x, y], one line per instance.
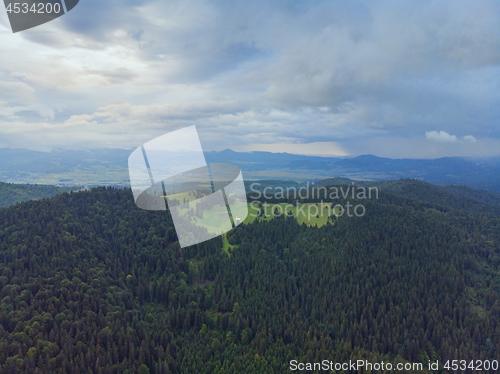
[395, 79]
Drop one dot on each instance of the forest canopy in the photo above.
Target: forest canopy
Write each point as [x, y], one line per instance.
[92, 284]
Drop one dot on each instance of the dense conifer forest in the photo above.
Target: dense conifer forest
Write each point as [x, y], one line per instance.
[92, 284]
[11, 193]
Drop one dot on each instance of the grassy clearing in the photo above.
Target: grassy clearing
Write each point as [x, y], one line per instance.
[309, 213]
[226, 245]
[214, 220]
[184, 196]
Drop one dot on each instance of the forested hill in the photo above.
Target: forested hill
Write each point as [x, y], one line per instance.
[11, 193]
[452, 197]
[91, 284]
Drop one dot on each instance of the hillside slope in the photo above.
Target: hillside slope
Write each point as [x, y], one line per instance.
[11, 193]
[89, 283]
[451, 196]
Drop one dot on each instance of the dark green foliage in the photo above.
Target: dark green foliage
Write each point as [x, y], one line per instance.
[487, 197]
[91, 284]
[453, 197]
[11, 193]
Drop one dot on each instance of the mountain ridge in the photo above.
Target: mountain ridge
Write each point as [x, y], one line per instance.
[109, 167]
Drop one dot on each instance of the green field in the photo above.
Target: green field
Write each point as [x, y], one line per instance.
[187, 195]
[310, 213]
[215, 219]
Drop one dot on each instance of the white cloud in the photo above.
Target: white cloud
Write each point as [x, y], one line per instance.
[469, 138]
[16, 97]
[441, 136]
[444, 137]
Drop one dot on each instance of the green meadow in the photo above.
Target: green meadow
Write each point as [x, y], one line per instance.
[185, 196]
[214, 219]
[312, 214]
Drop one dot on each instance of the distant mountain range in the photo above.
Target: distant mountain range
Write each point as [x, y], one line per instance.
[477, 173]
[109, 167]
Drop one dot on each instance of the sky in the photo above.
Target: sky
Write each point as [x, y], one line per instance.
[413, 79]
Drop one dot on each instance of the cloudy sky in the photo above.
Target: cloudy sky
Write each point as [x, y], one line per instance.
[396, 79]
